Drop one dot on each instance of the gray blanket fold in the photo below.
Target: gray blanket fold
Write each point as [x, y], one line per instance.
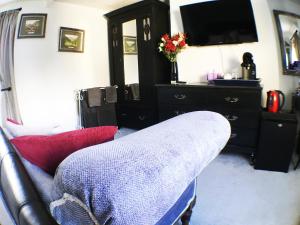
[111, 94]
[136, 179]
[135, 90]
[95, 97]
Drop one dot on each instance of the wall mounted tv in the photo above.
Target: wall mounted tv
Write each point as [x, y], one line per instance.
[219, 22]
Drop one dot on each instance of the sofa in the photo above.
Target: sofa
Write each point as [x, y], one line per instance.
[170, 155]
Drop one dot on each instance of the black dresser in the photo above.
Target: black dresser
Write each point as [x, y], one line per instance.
[240, 105]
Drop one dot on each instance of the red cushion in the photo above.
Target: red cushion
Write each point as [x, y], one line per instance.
[48, 152]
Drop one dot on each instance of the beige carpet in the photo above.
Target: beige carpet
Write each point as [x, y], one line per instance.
[231, 192]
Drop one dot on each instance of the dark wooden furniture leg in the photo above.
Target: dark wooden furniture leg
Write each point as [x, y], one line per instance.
[185, 219]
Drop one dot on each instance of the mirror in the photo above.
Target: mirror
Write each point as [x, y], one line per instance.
[130, 59]
[288, 27]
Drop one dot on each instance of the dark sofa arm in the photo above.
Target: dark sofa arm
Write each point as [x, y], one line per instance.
[19, 192]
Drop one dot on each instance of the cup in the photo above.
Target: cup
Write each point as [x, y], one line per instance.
[227, 76]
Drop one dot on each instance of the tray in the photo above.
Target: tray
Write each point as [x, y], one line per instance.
[236, 82]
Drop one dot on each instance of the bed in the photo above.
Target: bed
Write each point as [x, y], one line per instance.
[188, 142]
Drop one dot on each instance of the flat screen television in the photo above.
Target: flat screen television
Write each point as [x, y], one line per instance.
[219, 22]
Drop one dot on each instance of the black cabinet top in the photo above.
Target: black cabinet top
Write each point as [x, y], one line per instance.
[279, 117]
[206, 85]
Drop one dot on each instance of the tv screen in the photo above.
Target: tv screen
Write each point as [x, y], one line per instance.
[219, 22]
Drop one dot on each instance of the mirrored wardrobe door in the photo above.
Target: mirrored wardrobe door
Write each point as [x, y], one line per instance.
[131, 61]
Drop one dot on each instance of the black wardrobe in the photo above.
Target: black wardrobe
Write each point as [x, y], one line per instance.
[136, 65]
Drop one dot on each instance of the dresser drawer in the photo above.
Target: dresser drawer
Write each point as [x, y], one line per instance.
[234, 98]
[136, 118]
[168, 111]
[243, 137]
[181, 95]
[240, 118]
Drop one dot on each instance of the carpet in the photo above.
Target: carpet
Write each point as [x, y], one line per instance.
[231, 192]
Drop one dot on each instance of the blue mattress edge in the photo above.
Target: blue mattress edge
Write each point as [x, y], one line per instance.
[176, 211]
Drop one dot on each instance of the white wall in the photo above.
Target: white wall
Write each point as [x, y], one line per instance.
[195, 62]
[45, 78]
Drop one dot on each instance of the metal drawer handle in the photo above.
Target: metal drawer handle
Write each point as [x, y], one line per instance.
[180, 96]
[233, 135]
[232, 99]
[232, 118]
[142, 117]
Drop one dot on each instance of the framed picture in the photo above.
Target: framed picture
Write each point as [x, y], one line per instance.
[71, 40]
[130, 45]
[32, 25]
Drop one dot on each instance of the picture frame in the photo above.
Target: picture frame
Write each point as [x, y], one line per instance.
[130, 45]
[71, 40]
[32, 25]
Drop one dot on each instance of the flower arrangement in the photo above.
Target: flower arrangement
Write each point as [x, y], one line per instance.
[171, 46]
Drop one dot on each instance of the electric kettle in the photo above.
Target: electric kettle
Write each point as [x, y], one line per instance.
[275, 100]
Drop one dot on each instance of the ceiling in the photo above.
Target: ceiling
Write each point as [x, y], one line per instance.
[114, 4]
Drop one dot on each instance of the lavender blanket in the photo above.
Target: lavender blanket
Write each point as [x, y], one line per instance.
[136, 179]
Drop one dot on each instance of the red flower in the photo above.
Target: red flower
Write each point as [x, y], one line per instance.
[182, 43]
[170, 46]
[165, 37]
[173, 48]
[175, 38]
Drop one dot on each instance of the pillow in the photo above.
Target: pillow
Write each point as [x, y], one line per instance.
[48, 152]
[21, 130]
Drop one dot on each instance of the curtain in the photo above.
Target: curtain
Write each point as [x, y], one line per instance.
[9, 103]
